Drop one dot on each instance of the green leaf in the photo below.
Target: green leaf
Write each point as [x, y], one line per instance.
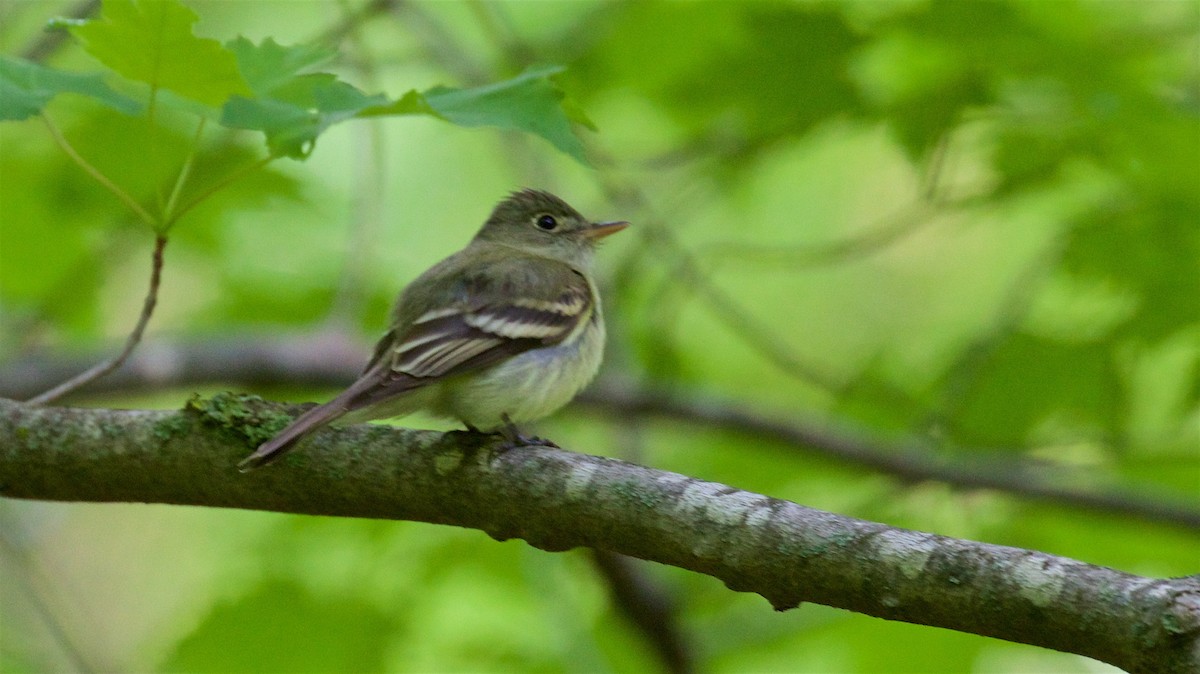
[529, 102]
[26, 88]
[270, 66]
[1028, 380]
[879, 403]
[309, 105]
[411, 103]
[290, 106]
[346, 635]
[1152, 252]
[766, 71]
[151, 41]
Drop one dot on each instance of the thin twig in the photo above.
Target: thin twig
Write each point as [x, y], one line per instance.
[935, 169]
[352, 21]
[498, 27]
[729, 311]
[963, 372]
[103, 368]
[438, 42]
[50, 40]
[903, 224]
[723, 306]
[928, 205]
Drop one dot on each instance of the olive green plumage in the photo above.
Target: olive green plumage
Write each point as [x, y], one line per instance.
[504, 331]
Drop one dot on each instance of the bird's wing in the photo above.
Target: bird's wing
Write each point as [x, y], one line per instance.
[469, 329]
[472, 333]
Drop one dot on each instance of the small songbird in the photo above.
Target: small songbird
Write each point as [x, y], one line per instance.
[507, 330]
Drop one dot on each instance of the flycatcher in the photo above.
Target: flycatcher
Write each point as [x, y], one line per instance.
[507, 330]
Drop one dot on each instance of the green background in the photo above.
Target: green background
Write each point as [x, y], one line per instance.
[973, 224]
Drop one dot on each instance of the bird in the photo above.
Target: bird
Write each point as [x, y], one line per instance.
[505, 331]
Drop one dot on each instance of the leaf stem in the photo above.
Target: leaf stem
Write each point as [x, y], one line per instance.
[98, 176]
[152, 151]
[104, 367]
[221, 184]
[169, 217]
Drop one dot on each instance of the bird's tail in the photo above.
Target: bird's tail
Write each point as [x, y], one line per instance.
[304, 424]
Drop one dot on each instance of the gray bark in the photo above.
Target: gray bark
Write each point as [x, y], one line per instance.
[557, 500]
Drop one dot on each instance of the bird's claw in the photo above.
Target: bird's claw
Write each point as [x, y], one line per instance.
[514, 438]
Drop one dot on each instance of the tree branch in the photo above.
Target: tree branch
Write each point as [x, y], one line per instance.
[557, 500]
[331, 358]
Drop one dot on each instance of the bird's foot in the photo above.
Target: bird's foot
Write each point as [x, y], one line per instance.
[514, 438]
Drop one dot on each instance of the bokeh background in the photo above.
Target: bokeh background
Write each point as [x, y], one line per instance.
[969, 226]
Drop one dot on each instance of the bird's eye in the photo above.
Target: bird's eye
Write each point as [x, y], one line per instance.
[546, 222]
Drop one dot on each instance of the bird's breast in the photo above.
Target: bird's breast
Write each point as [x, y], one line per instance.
[528, 386]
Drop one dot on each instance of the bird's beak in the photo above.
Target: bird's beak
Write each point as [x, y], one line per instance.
[599, 230]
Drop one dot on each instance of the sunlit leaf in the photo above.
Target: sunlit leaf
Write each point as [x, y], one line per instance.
[291, 107]
[151, 41]
[269, 66]
[529, 102]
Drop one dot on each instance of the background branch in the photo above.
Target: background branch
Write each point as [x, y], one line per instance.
[648, 607]
[903, 459]
[50, 40]
[557, 500]
[36, 582]
[331, 359]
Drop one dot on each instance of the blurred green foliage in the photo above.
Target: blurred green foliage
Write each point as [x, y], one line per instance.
[973, 223]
